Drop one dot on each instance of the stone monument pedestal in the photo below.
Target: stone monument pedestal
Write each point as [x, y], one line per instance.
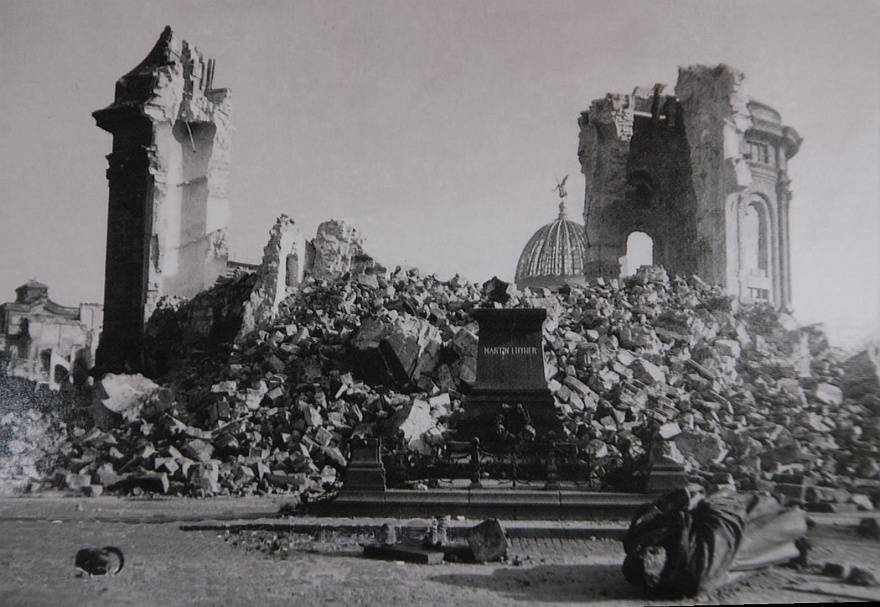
[510, 371]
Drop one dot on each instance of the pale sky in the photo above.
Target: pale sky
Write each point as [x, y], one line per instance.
[436, 128]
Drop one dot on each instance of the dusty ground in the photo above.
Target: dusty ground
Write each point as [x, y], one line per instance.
[168, 566]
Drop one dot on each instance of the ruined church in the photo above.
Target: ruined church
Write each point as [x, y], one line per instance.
[168, 209]
[703, 173]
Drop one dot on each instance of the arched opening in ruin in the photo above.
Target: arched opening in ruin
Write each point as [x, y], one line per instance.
[755, 235]
[292, 274]
[60, 374]
[639, 252]
[45, 361]
[755, 250]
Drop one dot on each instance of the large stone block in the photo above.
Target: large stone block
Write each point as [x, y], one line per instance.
[120, 398]
[862, 376]
[488, 541]
[337, 249]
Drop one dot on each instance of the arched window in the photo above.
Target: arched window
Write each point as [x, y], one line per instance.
[639, 252]
[292, 270]
[755, 251]
[754, 239]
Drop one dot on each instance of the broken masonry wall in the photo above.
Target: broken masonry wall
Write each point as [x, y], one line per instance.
[337, 248]
[703, 173]
[168, 178]
[190, 167]
[283, 267]
[717, 117]
[863, 376]
[181, 331]
[634, 154]
[287, 259]
[660, 197]
[766, 268]
[605, 132]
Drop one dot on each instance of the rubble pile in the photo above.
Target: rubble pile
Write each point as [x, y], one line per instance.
[647, 365]
[736, 395]
[33, 426]
[181, 331]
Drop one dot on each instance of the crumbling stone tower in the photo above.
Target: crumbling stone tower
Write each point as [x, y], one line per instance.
[702, 172]
[168, 209]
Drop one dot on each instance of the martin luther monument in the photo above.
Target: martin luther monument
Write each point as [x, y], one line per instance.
[510, 371]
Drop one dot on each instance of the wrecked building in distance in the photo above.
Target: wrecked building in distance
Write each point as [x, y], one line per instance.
[702, 172]
[44, 341]
[168, 209]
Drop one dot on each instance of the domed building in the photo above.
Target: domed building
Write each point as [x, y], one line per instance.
[554, 256]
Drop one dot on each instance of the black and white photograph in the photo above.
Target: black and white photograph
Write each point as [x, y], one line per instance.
[432, 302]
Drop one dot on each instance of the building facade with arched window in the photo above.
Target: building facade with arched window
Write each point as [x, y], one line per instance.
[764, 270]
[39, 337]
[703, 173]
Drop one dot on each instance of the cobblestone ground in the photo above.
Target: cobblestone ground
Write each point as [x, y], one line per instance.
[166, 566]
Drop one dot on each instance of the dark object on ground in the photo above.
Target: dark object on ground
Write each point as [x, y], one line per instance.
[99, 561]
[861, 577]
[803, 546]
[838, 570]
[488, 541]
[870, 528]
[485, 542]
[407, 554]
[685, 543]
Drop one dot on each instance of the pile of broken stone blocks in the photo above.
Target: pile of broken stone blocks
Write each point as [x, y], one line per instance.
[735, 394]
[739, 396]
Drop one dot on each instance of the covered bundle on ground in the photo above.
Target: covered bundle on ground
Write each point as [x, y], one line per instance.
[685, 543]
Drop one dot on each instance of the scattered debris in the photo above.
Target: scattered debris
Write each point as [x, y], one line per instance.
[837, 570]
[850, 574]
[486, 542]
[120, 398]
[861, 577]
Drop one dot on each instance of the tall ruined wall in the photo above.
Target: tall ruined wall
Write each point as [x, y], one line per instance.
[282, 268]
[337, 249]
[606, 130]
[634, 155]
[715, 109]
[168, 176]
[702, 172]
